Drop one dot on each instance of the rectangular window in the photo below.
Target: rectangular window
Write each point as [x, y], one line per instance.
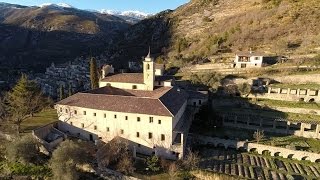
[66, 110]
[159, 121]
[105, 115]
[75, 112]
[84, 113]
[60, 109]
[138, 119]
[95, 127]
[150, 135]
[121, 131]
[115, 116]
[108, 129]
[150, 119]
[82, 125]
[138, 134]
[126, 117]
[200, 102]
[94, 114]
[163, 137]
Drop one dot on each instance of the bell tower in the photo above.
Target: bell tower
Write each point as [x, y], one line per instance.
[148, 72]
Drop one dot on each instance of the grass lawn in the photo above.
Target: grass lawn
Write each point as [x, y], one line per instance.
[39, 119]
[289, 104]
[271, 114]
[299, 143]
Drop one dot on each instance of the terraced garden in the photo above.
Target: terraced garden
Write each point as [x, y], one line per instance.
[289, 104]
[252, 166]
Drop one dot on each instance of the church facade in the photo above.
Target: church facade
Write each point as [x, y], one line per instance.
[146, 109]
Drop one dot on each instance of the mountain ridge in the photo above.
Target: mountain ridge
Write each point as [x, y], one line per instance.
[210, 28]
[50, 34]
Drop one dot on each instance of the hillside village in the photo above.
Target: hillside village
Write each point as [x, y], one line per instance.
[178, 96]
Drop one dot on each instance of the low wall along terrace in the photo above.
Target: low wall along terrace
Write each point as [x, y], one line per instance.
[287, 94]
[273, 125]
[274, 151]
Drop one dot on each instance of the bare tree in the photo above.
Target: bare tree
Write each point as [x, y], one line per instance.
[258, 135]
[173, 170]
[110, 153]
[191, 161]
[125, 164]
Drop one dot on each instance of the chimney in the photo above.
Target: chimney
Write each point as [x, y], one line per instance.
[107, 69]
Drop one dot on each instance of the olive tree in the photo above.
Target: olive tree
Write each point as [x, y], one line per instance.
[65, 160]
[24, 150]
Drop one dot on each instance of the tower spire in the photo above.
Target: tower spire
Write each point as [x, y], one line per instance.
[149, 54]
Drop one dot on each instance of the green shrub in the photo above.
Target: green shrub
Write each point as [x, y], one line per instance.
[153, 163]
[186, 175]
[29, 170]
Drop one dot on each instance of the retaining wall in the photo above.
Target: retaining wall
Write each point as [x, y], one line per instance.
[274, 151]
[287, 94]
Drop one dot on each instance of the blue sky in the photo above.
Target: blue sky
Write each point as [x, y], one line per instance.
[149, 6]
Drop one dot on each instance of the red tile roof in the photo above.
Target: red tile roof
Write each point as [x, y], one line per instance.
[163, 101]
[125, 78]
[250, 54]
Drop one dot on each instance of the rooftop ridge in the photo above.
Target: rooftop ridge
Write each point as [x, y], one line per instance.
[133, 96]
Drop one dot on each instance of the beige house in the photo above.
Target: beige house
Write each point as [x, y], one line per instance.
[248, 60]
[148, 111]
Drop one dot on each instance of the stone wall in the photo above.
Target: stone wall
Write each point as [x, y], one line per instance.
[248, 146]
[276, 125]
[41, 133]
[297, 110]
[287, 94]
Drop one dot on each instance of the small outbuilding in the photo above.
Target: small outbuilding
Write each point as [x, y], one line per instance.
[248, 60]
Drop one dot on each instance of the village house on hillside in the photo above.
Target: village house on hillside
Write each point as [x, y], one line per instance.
[147, 109]
[248, 60]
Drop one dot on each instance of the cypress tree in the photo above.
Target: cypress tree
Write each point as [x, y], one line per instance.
[61, 91]
[70, 90]
[94, 74]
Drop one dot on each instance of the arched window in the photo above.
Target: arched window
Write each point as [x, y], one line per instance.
[148, 66]
[134, 87]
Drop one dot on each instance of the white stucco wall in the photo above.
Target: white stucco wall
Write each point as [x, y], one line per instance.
[159, 72]
[252, 62]
[115, 125]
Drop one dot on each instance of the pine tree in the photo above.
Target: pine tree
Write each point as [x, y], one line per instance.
[24, 100]
[94, 74]
[61, 91]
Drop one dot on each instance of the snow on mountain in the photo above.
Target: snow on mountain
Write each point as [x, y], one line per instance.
[131, 14]
[61, 5]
